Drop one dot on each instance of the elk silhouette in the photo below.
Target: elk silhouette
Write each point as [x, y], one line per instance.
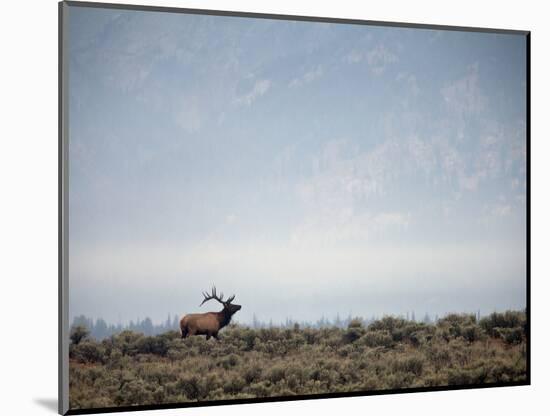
[209, 323]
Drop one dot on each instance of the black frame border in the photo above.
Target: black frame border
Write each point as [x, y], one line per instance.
[63, 169]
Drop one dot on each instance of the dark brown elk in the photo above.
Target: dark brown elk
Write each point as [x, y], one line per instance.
[209, 323]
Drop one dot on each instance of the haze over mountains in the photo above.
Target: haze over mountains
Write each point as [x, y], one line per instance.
[311, 169]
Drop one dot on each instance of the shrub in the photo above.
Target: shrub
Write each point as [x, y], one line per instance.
[355, 331]
[388, 323]
[413, 364]
[311, 336]
[440, 356]
[190, 387]
[503, 371]
[418, 338]
[234, 384]
[252, 373]
[259, 389]
[356, 323]
[78, 333]
[508, 319]
[378, 338]
[249, 337]
[416, 332]
[127, 342]
[460, 376]
[87, 352]
[453, 325]
[230, 361]
[346, 350]
[276, 374]
[510, 335]
[134, 392]
[472, 333]
[456, 319]
[152, 345]
[398, 380]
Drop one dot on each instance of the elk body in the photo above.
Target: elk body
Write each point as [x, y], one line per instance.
[209, 323]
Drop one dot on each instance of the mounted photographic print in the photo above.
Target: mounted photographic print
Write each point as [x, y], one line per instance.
[264, 208]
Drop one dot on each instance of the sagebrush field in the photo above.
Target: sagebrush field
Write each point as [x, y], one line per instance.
[391, 353]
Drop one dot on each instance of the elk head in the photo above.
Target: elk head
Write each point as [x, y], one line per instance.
[229, 309]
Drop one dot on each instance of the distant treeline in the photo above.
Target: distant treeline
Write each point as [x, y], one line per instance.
[100, 329]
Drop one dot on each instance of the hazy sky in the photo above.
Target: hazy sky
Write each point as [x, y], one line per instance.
[309, 168]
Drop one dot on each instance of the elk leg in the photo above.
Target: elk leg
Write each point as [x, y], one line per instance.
[207, 337]
[216, 336]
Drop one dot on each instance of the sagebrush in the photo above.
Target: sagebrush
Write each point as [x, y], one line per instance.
[391, 353]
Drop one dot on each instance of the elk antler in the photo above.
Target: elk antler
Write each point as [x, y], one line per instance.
[230, 299]
[214, 296]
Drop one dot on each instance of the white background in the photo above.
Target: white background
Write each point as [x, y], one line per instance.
[28, 204]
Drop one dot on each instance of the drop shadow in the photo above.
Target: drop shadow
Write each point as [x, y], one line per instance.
[49, 404]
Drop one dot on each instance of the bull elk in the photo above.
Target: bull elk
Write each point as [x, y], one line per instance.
[209, 323]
